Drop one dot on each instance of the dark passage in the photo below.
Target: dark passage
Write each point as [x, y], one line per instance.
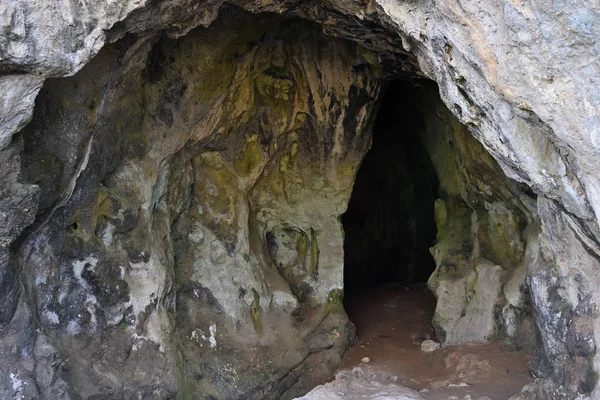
[390, 224]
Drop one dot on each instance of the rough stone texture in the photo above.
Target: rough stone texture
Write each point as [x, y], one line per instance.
[18, 94]
[429, 346]
[189, 200]
[522, 77]
[486, 235]
[361, 383]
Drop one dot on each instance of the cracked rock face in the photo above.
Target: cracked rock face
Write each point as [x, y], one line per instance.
[188, 194]
[169, 213]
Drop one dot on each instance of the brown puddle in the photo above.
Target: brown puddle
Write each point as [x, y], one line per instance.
[391, 322]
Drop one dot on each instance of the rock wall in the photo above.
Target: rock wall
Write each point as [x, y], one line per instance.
[487, 228]
[188, 215]
[522, 77]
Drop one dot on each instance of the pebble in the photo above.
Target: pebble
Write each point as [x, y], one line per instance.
[366, 360]
[429, 346]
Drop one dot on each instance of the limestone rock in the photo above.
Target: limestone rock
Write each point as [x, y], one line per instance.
[166, 249]
[429, 345]
[360, 384]
[16, 104]
[145, 180]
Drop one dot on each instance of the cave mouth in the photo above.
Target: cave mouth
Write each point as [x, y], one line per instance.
[390, 221]
[179, 200]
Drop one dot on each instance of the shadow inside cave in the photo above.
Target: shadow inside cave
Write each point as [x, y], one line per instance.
[391, 228]
[390, 223]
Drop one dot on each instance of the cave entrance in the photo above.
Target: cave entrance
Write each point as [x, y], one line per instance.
[390, 222]
[427, 183]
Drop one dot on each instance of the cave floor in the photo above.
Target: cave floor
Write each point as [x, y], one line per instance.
[391, 322]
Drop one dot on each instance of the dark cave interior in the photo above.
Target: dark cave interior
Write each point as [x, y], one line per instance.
[390, 224]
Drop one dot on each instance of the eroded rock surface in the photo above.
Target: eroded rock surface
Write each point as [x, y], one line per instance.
[189, 217]
[361, 383]
[235, 148]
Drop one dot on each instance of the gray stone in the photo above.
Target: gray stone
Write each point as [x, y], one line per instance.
[100, 192]
[16, 104]
[429, 345]
[361, 383]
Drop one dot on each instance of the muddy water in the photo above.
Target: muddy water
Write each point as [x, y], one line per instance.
[391, 323]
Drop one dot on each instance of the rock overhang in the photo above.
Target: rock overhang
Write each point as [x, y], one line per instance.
[529, 108]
